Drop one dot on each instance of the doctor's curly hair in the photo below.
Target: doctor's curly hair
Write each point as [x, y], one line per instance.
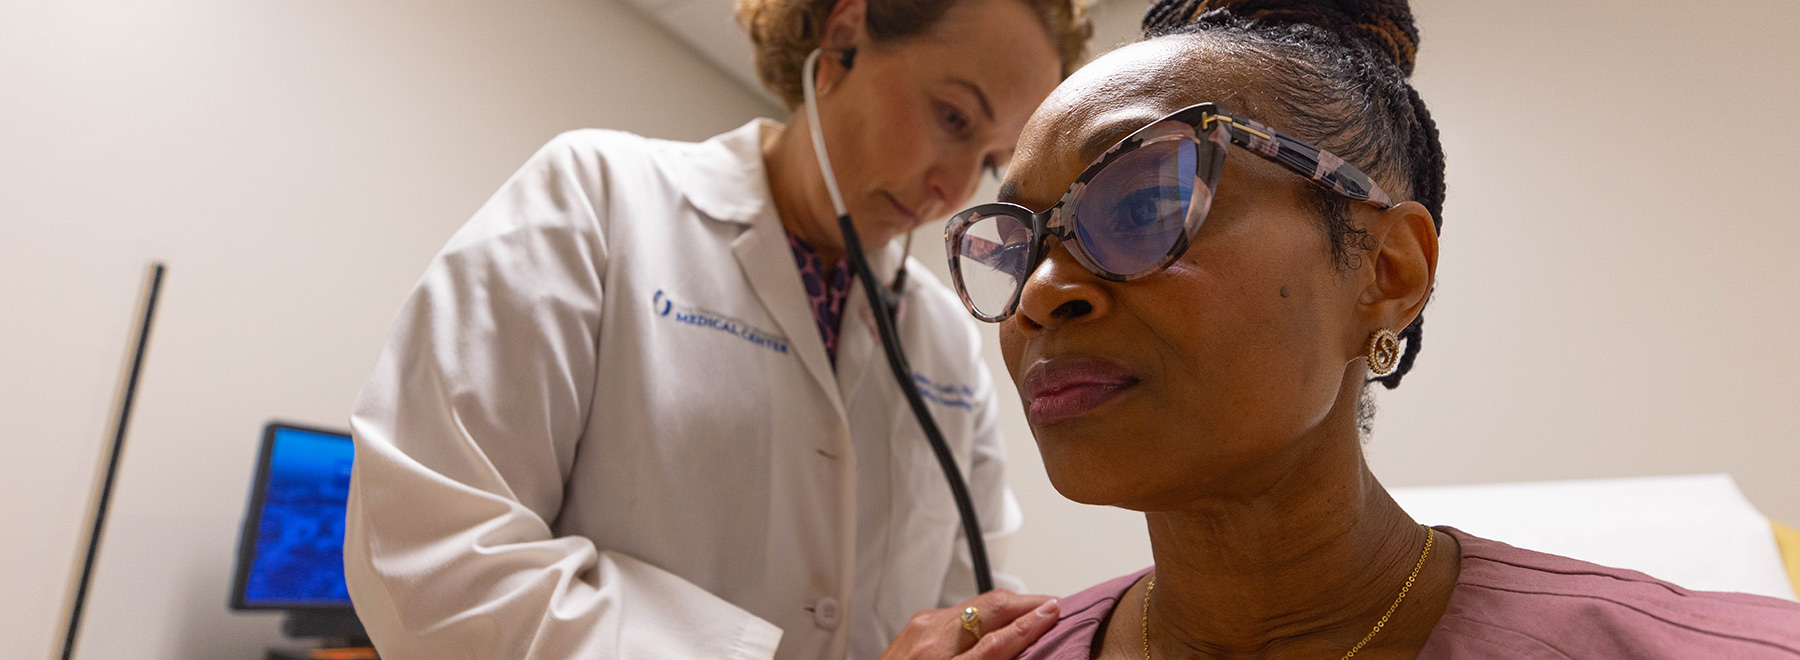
[783, 32]
[1342, 74]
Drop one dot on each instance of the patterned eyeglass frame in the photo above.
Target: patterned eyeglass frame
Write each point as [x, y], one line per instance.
[1196, 123]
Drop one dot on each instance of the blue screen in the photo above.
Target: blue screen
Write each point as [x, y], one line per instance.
[300, 537]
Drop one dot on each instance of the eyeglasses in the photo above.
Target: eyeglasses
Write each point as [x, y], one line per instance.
[1133, 211]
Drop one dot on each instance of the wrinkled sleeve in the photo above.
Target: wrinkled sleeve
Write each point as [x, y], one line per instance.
[466, 433]
[994, 502]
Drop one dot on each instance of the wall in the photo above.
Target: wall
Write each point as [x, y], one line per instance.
[296, 164]
[1617, 292]
[1618, 289]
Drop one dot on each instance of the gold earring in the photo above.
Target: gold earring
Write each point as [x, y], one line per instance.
[1384, 352]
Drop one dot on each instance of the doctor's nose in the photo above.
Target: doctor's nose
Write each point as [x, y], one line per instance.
[953, 179]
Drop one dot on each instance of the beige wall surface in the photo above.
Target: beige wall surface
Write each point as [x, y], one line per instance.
[1619, 290]
[296, 164]
[1620, 294]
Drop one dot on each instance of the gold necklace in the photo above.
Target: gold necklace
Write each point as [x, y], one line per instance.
[1429, 537]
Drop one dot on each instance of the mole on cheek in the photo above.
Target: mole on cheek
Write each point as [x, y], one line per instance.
[1284, 291]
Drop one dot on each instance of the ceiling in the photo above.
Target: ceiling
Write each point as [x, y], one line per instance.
[710, 28]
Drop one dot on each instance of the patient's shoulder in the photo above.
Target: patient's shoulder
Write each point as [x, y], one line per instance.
[1515, 603]
[1083, 616]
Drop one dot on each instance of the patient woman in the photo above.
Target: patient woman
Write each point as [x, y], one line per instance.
[1210, 244]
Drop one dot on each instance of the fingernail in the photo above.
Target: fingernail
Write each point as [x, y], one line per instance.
[1048, 609]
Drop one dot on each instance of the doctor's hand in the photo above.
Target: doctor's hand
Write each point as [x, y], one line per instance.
[1009, 623]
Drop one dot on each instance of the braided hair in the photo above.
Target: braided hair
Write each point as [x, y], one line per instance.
[1339, 69]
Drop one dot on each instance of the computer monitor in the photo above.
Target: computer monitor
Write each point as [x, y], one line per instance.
[291, 550]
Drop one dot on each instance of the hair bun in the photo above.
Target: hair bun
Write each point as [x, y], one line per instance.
[1384, 25]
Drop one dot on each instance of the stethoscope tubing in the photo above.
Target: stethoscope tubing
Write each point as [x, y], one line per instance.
[890, 339]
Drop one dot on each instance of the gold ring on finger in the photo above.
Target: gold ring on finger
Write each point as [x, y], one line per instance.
[971, 621]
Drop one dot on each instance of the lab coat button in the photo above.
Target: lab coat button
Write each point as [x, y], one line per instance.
[827, 613]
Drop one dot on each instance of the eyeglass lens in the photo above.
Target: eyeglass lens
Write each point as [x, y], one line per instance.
[1135, 210]
[993, 257]
[1127, 219]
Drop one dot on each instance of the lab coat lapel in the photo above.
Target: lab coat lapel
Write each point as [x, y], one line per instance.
[768, 263]
[859, 343]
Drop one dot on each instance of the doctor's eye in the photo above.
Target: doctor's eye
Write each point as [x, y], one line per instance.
[954, 120]
[991, 167]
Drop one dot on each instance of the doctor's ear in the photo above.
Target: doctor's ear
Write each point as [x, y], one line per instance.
[846, 28]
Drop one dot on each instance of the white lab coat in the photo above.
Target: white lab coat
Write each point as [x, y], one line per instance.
[605, 426]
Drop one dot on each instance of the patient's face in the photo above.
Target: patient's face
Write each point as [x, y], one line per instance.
[1210, 378]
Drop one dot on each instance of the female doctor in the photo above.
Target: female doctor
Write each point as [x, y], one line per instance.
[636, 408]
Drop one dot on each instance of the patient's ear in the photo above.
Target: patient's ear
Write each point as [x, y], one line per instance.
[1402, 265]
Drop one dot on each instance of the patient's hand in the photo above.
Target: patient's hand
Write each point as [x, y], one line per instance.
[1009, 623]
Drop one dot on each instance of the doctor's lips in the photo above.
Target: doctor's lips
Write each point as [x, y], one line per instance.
[1063, 388]
[906, 212]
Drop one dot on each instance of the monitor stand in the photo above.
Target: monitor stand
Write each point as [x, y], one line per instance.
[340, 635]
[336, 628]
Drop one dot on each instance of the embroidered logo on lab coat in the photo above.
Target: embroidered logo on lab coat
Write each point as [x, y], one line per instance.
[665, 307]
[958, 396]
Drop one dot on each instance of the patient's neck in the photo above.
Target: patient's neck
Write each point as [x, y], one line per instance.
[1301, 568]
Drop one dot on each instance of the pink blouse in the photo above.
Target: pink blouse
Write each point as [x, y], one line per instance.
[1515, 604]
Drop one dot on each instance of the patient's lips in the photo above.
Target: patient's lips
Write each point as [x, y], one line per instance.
[1063, 388]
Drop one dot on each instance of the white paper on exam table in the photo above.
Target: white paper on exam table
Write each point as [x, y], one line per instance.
[1697, 531]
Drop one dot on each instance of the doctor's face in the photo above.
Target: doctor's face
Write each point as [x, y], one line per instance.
[1226, 372]
[917, 122]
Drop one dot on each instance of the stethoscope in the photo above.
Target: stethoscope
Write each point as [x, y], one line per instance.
[882, 303]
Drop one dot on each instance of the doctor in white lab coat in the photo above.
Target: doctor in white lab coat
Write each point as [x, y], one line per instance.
[610, 423]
